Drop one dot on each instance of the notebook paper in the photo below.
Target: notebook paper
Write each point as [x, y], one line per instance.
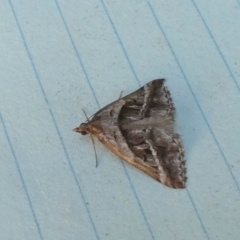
[59, 57]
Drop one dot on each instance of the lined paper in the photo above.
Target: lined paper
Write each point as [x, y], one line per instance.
[59, 57]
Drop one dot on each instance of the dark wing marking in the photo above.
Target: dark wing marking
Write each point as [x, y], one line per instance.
[153, 99]
[159, 150]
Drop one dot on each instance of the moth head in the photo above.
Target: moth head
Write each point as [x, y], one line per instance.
[83, 129]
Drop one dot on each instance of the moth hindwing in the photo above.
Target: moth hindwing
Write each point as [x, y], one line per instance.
[139, 128]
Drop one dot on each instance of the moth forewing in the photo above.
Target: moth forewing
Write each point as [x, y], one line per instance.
[139, 128]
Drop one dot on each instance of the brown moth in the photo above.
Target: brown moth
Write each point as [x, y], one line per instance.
[139, 128]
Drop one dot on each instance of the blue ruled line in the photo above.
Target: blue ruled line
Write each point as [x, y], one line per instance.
[54, 121]
[138, 201]
[137, 79]
[77, 54]
[189, 195]
[120, 42]
[196, 100]
[198, 215]
[216, 45]
[87, 77]
[21, 178]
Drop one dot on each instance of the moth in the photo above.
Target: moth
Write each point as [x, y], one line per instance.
[139, 128]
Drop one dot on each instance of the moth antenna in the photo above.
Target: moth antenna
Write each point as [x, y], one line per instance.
[120, 95]
[92, 139]
[85, 115]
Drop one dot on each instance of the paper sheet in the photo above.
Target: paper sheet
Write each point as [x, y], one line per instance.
[58, 57]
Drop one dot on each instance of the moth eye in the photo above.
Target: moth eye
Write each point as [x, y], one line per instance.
[83, 132]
